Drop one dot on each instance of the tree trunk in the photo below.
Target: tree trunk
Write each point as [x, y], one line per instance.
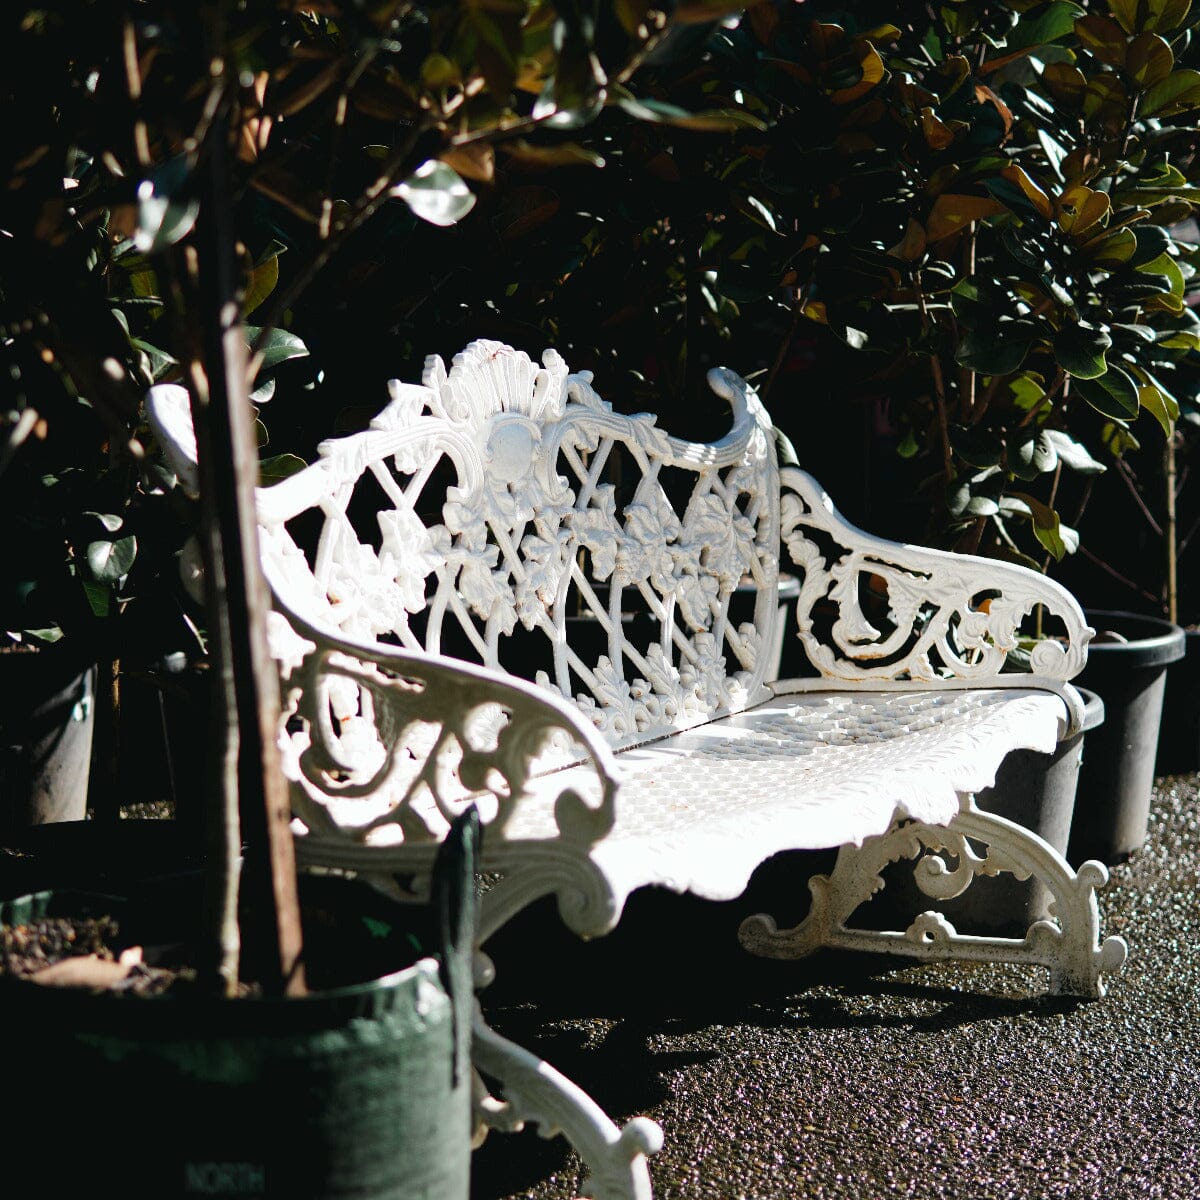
[251, 796]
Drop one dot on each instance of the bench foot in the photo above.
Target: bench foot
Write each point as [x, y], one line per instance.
[534, 1091]
[1069, 944]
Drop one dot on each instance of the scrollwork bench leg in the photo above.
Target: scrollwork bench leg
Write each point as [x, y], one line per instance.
[1069, 945]
[535, 1091]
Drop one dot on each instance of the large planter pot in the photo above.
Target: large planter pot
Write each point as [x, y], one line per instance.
[1039, 792]
[1179, 735]
[1113, 805]
[360, 1090]
[1035, 790]
[46, 719]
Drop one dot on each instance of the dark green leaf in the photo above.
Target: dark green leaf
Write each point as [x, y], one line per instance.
[997, 350]
[1135, 333]
[971, 305]
[281, 345]
[1151, 242]
[98, 596]
[1079, 349]
[281, 466]
[1024, 250]
[1114, 394]
[975, 446]
[1048, 24]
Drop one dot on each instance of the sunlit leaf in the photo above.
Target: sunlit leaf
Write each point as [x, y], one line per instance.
[1114, 248]
[436, 193]
[1105, 95]
[1080, 208]
[871, 70]
[1164, 409]
[938, 135]
[476, 160]
[166, 208]
[1181, 339]
[1027, 390]
[1072, 454]
[1126, 13]
[1032, 192]
[720, 120]
[438, 72]
[1178, 92]
[1031, 456]
[262, 282]
[1047, 527]
[281, 345]
[110, 561]
[1164, 264]
[564, 154]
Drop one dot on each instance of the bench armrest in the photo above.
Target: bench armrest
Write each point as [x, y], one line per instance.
[410, 739]
[934, 615]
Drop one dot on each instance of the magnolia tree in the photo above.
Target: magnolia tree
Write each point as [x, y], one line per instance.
[178, 176]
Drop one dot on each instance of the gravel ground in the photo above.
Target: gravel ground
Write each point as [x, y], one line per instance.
[846, 1076]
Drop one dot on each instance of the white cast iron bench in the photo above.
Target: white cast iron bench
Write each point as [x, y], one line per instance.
[502, 512]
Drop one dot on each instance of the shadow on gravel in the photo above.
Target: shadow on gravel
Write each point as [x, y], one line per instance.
[599, 1011]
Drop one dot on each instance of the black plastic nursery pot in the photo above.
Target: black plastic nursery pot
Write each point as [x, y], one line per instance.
[354, 1091]
[1035, 790]
[1179, 735]
[1113, 804]
[47, 714]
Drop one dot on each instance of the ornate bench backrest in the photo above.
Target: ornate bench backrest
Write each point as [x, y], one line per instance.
[501, 511]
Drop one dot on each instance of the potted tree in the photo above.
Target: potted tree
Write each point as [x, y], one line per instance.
[174, 153]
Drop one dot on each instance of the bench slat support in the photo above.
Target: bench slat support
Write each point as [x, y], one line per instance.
[1069, 945]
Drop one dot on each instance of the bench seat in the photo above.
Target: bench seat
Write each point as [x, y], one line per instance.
[698, 812]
